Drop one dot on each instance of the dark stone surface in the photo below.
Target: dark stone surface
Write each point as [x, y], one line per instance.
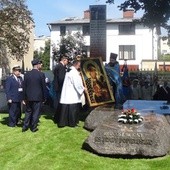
[151, 138]
[99, 115]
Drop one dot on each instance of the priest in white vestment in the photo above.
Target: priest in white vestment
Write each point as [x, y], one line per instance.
[71, 94]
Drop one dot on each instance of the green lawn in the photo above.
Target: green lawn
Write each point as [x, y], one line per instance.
[60, 148]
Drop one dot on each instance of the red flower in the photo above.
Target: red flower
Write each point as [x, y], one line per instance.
[132, 110]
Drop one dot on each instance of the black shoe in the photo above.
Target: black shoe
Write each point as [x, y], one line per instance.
[24, 129]
[34, 130]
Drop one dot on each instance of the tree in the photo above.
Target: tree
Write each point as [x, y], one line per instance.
[156, 12]
[70, 44]
[44, 55]
[165, 57]
[16, 24]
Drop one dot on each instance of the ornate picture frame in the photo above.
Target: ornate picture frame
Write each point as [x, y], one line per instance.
[96, 81]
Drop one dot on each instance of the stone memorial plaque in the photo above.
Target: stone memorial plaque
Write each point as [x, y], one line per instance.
[150, 138]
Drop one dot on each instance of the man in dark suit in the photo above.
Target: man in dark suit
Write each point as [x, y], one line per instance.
[14, 94]
[34, 95]
[163, 92]
[59, 75]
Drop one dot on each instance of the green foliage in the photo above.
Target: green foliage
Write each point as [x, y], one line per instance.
[70, 44]
[53, 148]
[36, 54]
[44, 55]
[165, 57]
[16, 24]
[164, 38]
[156, 12]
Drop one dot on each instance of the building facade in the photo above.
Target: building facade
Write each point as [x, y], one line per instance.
[39, 43]
[126, 36]
[165, 46]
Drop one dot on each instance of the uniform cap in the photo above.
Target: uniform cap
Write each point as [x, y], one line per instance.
[16, 67]
[36, 62]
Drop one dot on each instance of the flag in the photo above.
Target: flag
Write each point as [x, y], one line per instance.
[126, 81]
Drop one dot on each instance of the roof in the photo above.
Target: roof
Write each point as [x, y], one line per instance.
[73, 20]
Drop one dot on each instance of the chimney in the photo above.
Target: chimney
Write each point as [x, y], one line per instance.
[87, 14]
[128, 13]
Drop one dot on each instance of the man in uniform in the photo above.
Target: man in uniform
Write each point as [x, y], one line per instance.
[34, 95]
[14, 94]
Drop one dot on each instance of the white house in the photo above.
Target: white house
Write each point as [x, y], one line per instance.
[131, 40]
[165, 47]
[39, 42]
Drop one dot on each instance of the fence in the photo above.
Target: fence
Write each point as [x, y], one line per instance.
[162, 75]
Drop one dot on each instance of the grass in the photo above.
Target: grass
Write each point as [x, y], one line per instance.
[53, 148]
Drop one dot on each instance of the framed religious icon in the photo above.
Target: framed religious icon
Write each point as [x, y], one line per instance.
[96, 81]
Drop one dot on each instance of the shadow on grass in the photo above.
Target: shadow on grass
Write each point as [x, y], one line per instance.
[4, 120]
[84, 112]
[48, 112]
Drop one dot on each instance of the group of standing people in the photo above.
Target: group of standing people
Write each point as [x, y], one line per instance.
[147, 89]
[31, 91]
[28, 90]
[137, 89]
[69, 90]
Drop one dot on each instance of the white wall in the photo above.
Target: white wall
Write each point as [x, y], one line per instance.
[55, 37]
[39, 44]
[165, 48]
[143, 41]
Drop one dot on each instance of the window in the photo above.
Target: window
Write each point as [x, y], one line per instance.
[126, 29]
[86, 29]
[164, 51]
[62, 30]
[86, 51]
[127, 52]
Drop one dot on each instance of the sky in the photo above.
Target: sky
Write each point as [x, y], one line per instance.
[47, 11]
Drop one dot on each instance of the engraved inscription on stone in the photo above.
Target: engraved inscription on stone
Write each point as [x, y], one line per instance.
[122, 138]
